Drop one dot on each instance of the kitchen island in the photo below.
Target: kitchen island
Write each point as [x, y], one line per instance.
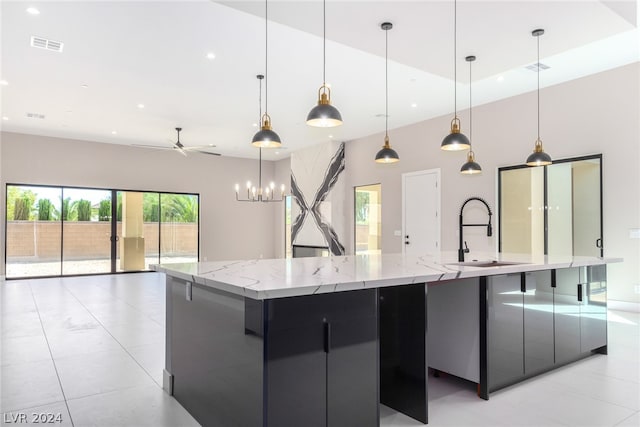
[323, 341]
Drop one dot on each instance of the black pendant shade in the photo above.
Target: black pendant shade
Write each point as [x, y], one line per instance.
[387, 154]
[470, 167]
[324, 114]
[538, 157]
[455, 141]
[265, 137]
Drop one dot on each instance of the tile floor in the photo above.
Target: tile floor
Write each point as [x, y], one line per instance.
[92, 350]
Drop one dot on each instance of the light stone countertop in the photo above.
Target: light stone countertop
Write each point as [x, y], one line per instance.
[278, 278]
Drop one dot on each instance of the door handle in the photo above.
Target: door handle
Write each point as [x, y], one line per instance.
[599, 243]
[327, 337]
[580, 292]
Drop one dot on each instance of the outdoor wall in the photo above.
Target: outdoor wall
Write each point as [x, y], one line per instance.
[40, 240]
[228, 229]
[594, 114]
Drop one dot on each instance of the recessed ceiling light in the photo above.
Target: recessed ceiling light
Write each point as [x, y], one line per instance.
[330, 136]
[255, 125]
[500, 79]
[33, 11]
[113, 132]
[277, 152]
[5, 118]
[4, 83]
[414, 105]
[141, 106]
[211, 55]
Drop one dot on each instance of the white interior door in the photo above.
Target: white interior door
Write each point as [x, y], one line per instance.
[421, 212]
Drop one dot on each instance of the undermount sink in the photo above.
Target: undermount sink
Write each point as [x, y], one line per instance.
[485, 263]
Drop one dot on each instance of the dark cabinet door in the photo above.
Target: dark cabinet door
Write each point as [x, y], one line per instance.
[352, 368]
[505, 330]
[538, 322]
[566, 312]
[593, 309]
[322, 360]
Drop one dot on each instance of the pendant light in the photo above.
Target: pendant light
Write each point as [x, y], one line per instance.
[456, 140]
[268, 194]
[387, 154]
[538, 157]
[470, 167]
[324, 114]
[266, 137]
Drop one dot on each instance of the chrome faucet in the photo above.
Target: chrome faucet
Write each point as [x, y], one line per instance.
[462, 251]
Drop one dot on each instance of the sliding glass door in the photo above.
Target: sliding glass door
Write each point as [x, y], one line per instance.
[86, 231]
[552, 210]
[33, 231]
[54, 231]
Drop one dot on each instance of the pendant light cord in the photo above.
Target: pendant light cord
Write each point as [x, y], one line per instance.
[266, 60]
[455, 53]
[386, 83]
[260, 158]
[538, 67]
[324, 42]
[470, 111]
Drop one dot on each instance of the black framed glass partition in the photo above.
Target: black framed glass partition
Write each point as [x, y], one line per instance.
[552, 210]
[63, 231]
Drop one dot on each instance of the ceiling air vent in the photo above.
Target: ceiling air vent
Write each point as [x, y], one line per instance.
[538, 66]
[35, 116]
[47, 44]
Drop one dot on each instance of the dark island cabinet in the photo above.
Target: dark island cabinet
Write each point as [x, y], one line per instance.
[520, 326]
[538, 320]
[580, 311]
[287, 362]
[321, 360]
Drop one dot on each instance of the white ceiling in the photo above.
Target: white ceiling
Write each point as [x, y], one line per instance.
[154, 53]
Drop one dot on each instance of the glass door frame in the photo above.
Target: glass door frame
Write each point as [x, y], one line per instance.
[114, 238]
[545, 184]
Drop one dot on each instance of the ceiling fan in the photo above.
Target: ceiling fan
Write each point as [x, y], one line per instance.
[179, 147]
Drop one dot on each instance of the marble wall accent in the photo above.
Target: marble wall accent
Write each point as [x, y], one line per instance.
[318, 194]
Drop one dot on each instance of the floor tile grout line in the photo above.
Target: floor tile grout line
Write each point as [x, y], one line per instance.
[110, 391]
[111, 335]
[55, 367]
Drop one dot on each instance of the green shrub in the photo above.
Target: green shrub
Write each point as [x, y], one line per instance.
[84, 210]
[45, 208]
[104, 210]
[21, 209]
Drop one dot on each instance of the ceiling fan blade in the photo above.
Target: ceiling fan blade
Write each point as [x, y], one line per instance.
[181, 151]
[198, 147]
[155, 147]
[208, 152]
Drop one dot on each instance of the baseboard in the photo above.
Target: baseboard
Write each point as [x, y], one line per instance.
[623, 306]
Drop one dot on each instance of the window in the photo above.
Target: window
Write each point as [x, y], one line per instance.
[53, 231]
[368, 219]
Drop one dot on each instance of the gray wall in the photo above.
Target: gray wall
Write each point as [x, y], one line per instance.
[228, 229]
[594, 114]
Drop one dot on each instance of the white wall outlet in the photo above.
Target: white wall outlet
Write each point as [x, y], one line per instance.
[397, 233]
[634, 233]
